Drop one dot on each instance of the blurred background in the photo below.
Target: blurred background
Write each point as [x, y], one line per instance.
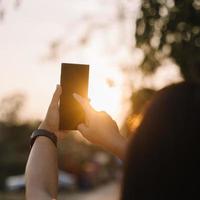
[133, 47]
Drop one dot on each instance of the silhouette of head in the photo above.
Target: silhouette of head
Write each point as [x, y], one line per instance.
[163, 155]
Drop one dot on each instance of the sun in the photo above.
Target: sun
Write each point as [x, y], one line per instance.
[105, 91]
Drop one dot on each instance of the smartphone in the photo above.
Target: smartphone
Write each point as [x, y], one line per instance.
[74, 79]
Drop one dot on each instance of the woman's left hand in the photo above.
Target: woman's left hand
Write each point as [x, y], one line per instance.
[51, 121]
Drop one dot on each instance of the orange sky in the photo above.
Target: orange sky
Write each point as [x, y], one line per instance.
[24, 39]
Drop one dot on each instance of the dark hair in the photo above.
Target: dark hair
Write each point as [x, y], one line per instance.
[163, 155]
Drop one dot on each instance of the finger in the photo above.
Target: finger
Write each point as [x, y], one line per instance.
[83, 102]
[56, 96]
[105, 115]
[83, 128]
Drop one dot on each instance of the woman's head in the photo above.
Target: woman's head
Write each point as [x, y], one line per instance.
[162, 157]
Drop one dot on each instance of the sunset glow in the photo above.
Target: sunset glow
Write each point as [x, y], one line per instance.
[105, 96]
[30, 62]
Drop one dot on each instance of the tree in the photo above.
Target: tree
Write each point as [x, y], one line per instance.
[3, 7]
[11, 107]
[139, 101]
[170, 29]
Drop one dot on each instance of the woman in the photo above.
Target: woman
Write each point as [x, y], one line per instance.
[161, 161]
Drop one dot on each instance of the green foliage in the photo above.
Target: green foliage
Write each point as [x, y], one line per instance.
[140, 98]
[4, 7]
[10, 107]
[170, 28]
[14, 137]
[14, 149]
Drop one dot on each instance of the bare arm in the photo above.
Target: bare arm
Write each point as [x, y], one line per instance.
[41, 170]
[42, 166]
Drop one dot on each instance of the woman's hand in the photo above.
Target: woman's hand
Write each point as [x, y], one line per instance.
[101, 129]
[51, 121]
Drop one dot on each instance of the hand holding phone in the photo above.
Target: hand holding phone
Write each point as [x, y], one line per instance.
[74, 79]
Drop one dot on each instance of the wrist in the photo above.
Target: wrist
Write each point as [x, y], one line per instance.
[46, 127]
[44, 133]
[118, 147]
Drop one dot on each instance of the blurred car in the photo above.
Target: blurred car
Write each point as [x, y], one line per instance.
[17, 183]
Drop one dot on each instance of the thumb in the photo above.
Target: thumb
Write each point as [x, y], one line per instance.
[56, 96]
[83, 128]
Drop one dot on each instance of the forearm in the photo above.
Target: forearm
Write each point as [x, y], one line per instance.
[42, 170]
[117, 146]
[120, 150]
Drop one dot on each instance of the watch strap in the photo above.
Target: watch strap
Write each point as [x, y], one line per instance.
[45, 133]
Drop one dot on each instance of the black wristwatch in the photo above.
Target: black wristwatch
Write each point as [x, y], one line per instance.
[42, 132]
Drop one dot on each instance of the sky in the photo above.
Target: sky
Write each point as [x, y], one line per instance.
[25, 36]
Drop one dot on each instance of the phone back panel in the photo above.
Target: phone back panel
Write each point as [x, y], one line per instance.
[74, 79]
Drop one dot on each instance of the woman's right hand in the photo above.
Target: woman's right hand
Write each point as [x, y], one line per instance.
[100, 129]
